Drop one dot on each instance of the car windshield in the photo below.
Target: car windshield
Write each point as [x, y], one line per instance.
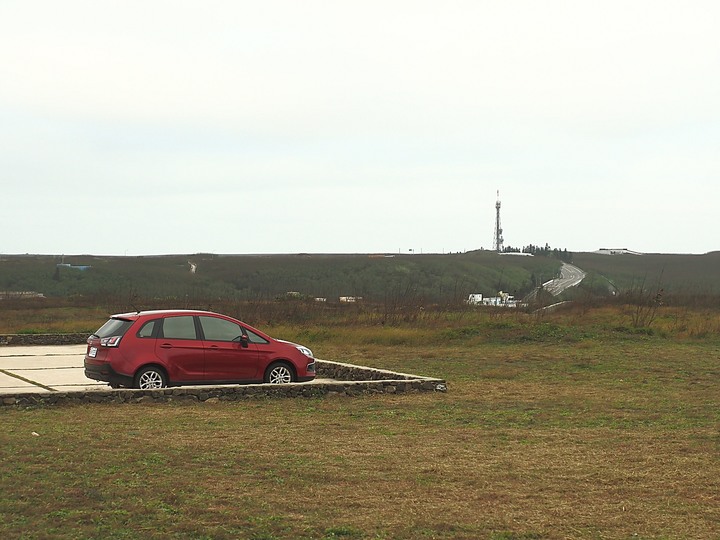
[114, 327]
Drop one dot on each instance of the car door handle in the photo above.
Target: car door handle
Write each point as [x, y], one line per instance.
[166, 346]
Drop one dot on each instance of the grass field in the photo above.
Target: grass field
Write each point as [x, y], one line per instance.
[550, 429]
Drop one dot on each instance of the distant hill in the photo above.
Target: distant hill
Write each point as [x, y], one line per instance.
[677, 274]
[428, 277]
[431, 278]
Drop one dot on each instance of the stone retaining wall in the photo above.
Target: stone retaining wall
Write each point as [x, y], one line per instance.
[215, 394]
[43, 339]
[350, 372]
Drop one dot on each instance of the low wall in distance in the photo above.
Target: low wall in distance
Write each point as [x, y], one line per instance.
[43, 339]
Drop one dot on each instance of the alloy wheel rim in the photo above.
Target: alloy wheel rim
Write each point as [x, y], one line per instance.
[280, 375]
[151, 379]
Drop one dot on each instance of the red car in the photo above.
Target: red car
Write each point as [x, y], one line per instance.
[155, 349]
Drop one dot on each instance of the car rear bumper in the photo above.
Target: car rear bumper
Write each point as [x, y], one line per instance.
[105, 373]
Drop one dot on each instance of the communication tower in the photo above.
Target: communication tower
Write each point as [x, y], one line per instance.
[498, 239]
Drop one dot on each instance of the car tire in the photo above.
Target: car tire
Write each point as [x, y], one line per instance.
[279, 373]
[151, 377]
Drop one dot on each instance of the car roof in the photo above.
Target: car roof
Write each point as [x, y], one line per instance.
[134, 315]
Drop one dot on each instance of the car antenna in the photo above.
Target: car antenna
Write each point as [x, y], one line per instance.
[132, 303]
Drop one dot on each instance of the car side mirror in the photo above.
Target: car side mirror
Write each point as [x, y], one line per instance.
[244, 341]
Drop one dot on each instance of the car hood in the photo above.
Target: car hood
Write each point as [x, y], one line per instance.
[289, 343]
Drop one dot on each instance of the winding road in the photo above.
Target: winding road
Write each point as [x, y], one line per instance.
[570, 276]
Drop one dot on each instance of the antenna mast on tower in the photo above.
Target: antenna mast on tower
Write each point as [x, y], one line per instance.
[498, 239]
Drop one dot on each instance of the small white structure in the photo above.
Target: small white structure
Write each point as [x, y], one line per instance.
[475, 299]
[350, 299]
[7, 295]
[503, 299]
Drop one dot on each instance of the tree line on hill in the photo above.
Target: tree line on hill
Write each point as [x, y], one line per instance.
[542, 251]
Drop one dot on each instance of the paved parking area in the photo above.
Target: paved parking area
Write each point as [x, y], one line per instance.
[56, 368]
[50, 368]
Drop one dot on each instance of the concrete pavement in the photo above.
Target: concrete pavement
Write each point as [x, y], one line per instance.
[50, 368]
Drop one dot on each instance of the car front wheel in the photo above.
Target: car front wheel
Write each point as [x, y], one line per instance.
[150, 377]
[279, 374]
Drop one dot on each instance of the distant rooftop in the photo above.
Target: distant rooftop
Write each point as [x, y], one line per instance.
[74, 266]
[617, 251]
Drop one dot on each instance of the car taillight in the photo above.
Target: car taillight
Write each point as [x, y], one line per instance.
[113, 341]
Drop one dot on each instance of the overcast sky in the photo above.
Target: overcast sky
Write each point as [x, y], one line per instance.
[286, 126]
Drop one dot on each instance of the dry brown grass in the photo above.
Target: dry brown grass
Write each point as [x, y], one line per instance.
[277, 470]
[47, 320]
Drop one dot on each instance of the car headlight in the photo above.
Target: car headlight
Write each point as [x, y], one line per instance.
[307, 352]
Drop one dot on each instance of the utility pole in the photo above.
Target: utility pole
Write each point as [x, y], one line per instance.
[498, 239]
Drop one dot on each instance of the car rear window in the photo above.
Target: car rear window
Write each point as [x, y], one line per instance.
[114, 327]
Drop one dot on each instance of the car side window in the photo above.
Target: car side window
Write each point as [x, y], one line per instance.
[216, 329]
[254, 338]
[179, 328]
[148, 329]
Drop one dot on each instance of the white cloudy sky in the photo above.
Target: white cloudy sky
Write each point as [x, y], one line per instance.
[284, 126]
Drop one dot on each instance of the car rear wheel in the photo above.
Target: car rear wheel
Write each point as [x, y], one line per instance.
[279, 373]
[150, 377]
